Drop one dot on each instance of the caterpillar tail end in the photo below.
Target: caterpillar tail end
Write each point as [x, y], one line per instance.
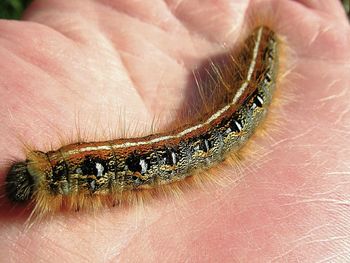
[19, 183]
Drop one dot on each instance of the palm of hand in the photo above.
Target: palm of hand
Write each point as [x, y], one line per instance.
[98, 60]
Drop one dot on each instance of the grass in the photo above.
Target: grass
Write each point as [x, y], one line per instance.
[12, 9]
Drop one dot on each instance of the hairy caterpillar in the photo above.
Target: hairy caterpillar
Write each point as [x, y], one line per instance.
[75, 174]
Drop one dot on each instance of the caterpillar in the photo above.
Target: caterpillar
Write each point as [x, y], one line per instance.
[76, 173]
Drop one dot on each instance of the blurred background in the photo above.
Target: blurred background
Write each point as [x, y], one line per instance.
[12, 9]
[346, 4]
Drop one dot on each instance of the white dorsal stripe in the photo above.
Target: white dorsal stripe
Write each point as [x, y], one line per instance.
[213, 117]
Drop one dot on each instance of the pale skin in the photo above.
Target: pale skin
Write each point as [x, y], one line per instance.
[81, 66]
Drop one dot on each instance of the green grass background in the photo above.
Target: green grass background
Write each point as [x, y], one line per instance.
[12, 9]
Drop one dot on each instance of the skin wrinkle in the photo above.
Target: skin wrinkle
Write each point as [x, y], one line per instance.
[290, 251]
[137, 17]
[127, 69]
[71, 89]
[338, 173]
[316, 194]
[67, 28]
[24, 252]
[39, 118]
[123, 61]
[185, 26]
[325, 14]
[311, 20]
[297, 136]
[68, 250]
[172, 56]
[339, 95]
[321, 5]
[86, 241]
[27, 59]
[336, 256]
[33, 67]
[181, 64]
[342, 116]
[191, 30]
[325, 240]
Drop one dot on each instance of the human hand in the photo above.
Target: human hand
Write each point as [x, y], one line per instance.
[99, 60]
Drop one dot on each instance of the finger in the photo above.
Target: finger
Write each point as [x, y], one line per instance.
[213, 20]
[307, 32]
[333, 7]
